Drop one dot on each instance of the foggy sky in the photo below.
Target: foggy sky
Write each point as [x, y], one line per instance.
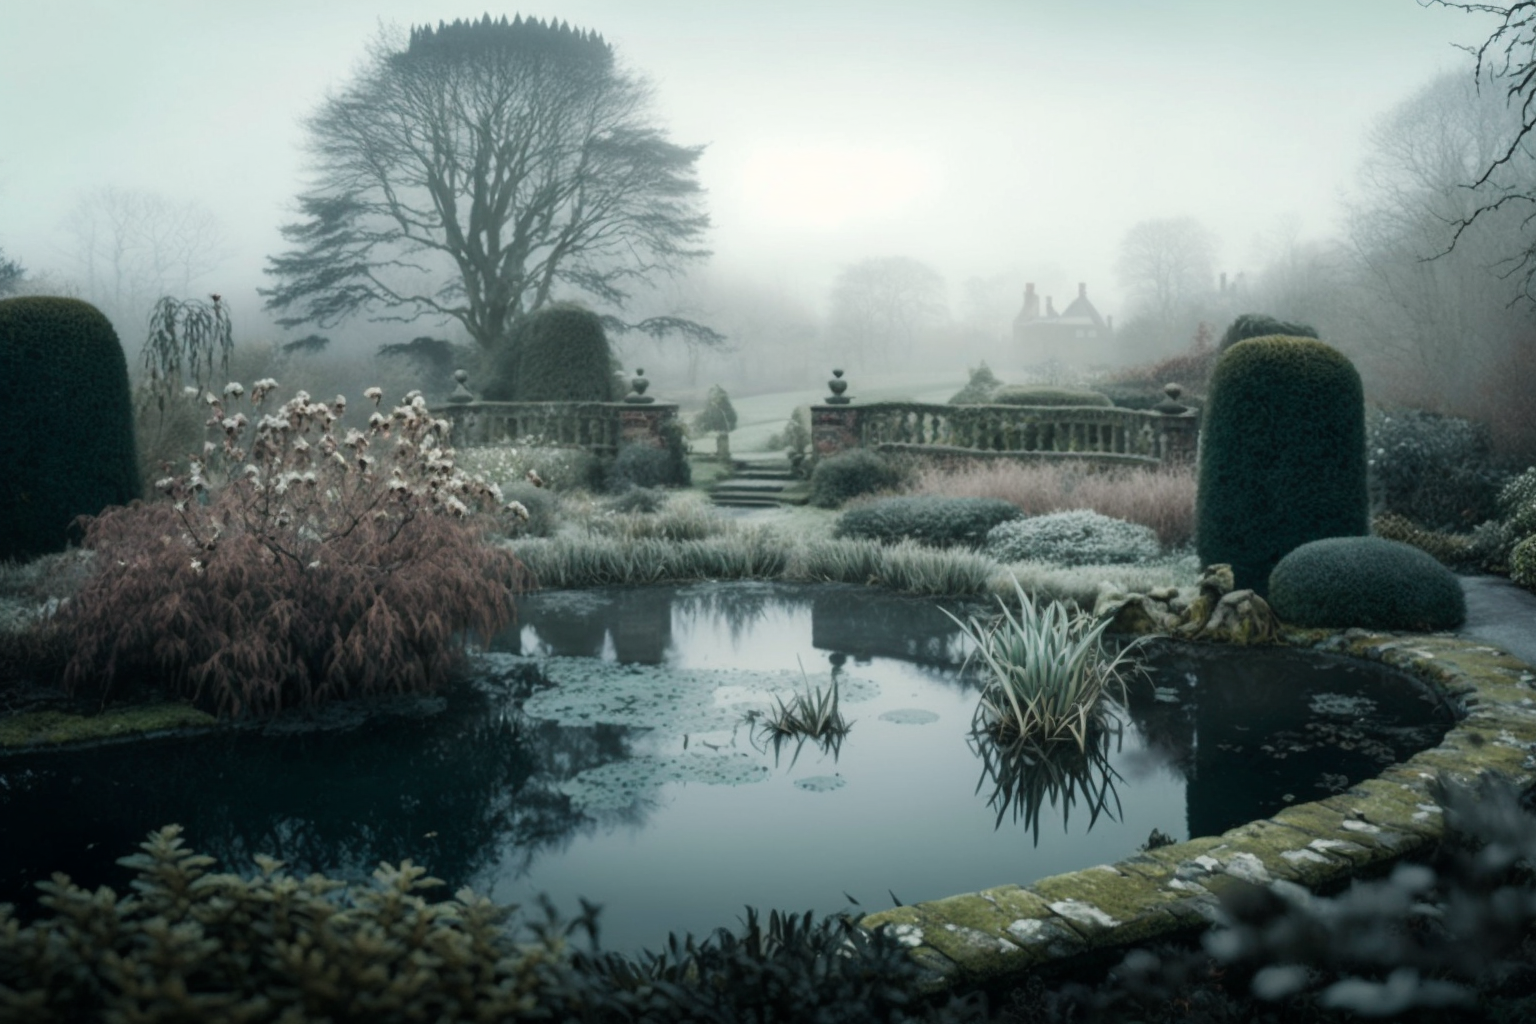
[982, 137]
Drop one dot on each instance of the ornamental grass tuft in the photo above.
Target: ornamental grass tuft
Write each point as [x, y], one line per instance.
[1048, 678]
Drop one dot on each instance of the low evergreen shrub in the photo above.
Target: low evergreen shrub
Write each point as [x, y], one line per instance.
[928, 519]
[1077, 537]
[641, 465]
[1435, 470]
[1517, 492]
[1365, 582]
[851, 474]
[1025, 394]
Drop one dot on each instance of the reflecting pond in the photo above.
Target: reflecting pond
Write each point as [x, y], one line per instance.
[606, 748]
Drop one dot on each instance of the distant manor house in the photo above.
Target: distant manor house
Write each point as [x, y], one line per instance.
[1076, 335]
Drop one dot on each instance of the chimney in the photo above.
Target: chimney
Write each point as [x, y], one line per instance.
[1031, 309]
[1050, 308]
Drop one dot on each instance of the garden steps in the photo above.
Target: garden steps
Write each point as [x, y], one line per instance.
[759, 483]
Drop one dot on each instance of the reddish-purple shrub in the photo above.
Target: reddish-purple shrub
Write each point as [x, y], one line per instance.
[324, 568]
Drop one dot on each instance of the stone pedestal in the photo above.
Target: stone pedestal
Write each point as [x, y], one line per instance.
[834, 428]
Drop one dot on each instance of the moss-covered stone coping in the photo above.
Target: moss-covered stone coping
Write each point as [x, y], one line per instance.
[54, 729]
[1067, 922]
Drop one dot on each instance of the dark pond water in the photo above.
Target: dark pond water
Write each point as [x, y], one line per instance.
[602, 751]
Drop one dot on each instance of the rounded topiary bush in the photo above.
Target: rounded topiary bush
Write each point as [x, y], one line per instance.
[641, 465]
[928, 519]
[558, 353]
[72, 452]
[1282, 455]
[851, 474]
[1257, 325]
[1022, 394]
[1365, 582]
[1078, 537]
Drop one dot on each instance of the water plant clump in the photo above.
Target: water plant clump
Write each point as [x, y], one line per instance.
[1047, 676]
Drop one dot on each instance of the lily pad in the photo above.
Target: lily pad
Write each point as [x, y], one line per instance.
[821, 783]
[909, 716]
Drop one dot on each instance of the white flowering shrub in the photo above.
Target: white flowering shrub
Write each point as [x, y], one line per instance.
[1078, 537]
[293, 563]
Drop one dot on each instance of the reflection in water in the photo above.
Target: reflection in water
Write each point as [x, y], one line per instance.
[634, 783]
[1028, 777]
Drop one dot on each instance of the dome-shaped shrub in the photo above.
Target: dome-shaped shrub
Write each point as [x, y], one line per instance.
[558, 353]
[1257, 325]
[1078, 537]
[1366, 582]
[850, 474]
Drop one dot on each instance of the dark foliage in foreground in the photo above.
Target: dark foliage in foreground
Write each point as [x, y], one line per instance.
[1445, 941]
[851, 474]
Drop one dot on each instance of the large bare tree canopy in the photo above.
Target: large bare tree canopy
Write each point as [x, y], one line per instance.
[480, 171]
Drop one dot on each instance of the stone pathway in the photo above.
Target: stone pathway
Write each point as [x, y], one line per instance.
[763, 482]
[1502, 614]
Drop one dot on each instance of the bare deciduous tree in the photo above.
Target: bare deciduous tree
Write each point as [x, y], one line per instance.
[132, 246]
[1165, 264]
[880, 305]
[479, 169]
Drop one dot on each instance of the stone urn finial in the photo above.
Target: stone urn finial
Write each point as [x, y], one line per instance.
[637, 393]
[1171, 406]
[838, 386]
[460, 392]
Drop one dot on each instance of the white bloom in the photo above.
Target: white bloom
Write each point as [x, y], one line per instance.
[230, 424]
[340, 402]
[189, 391]
[313, 565]
[375, 394]
[300, 445]
[197, 566]
[519, 510]
[234, 388]
[165, 483]
[456, 506]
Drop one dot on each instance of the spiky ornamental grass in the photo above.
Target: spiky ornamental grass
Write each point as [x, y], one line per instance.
[295, 567]
[1047, 676]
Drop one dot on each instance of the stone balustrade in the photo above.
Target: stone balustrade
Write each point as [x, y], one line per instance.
[1167, 433]
[599, 427]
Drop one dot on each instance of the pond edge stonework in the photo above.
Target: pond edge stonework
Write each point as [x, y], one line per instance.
[1071, 921]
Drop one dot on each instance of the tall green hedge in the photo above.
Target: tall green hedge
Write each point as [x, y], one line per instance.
[1282, 455]
[72, 451]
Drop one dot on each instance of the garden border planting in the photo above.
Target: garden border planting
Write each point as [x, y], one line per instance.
[1065, 922]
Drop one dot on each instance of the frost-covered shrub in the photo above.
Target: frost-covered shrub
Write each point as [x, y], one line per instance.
[851, 474]
[940, 522]
[640, 465]
[1369, 582]
[1522, 563]
[1078, 537]
[1435, 470]
[560, 468]
[1518, 492]
[979, 389]
[543, 510]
